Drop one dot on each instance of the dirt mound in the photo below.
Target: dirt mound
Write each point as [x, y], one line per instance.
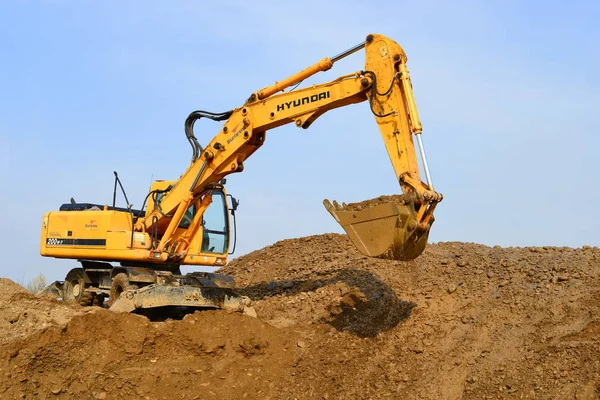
[461, 321]
[22, 313]
[111, 355]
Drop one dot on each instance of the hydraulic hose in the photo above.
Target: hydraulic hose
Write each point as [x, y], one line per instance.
[189, 128]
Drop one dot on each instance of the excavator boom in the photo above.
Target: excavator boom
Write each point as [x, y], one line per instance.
[397, 230]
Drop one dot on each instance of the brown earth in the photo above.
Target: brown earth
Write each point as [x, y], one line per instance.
[364, 205]
[461, 321]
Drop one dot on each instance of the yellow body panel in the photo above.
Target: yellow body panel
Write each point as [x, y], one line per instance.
[106, 235]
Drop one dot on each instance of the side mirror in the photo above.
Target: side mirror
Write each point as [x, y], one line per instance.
[234, 204]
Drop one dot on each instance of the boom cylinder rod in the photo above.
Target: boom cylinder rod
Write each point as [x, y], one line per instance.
[322, 65]
[424, 160]
[348, 52]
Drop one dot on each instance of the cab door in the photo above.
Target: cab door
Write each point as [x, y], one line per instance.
[215, 225]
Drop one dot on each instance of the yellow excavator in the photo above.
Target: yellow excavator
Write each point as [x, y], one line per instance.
[188, 221]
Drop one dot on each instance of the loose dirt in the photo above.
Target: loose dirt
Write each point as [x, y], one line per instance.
[22, 313]
[461, 321]
[364, 205]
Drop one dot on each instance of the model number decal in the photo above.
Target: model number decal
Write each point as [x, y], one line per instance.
[75, 242]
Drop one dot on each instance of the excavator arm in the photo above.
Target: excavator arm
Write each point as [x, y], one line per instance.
[396, 229]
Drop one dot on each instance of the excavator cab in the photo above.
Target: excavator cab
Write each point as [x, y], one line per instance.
[215, 226]
[204, 229]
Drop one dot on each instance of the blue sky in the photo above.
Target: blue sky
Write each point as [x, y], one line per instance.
[508, 93]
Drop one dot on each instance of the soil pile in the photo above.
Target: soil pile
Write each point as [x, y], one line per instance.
[110, 355]
[461, 321]
[22, 313]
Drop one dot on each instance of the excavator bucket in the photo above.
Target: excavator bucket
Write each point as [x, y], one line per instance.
[385, 227]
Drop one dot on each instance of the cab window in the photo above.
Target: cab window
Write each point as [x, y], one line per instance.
[215, 237]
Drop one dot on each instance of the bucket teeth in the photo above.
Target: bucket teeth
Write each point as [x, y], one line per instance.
[384, 227]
